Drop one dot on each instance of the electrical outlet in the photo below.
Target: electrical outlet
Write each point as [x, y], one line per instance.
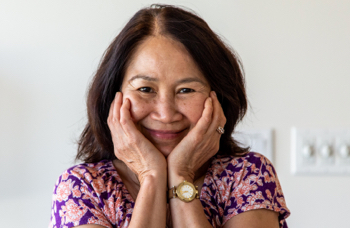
[259, 140]
[320, 151]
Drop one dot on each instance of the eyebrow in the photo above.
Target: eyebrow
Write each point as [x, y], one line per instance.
[151, 79]
[144, 77]
[188, 80]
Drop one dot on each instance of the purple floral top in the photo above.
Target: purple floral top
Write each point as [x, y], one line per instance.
[94, 193]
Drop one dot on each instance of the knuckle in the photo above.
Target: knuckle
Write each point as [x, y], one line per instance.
[123, 121]
[109, 120]
[224, 119]
[206, 119]
[197, 139]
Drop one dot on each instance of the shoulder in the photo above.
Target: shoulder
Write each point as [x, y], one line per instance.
[250, 173]
[93, 178]
[248, 163]
[239, 184]
[88, 194]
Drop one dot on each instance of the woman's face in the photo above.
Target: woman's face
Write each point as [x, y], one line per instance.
[166, 90]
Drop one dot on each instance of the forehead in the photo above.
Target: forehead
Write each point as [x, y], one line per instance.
[162, 58]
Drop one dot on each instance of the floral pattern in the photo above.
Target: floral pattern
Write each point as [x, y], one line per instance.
[95, 194]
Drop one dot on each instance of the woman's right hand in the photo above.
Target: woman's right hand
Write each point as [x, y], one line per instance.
[130, 145]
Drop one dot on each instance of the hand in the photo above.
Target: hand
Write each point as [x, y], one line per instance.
[200, 144]
[130, 145]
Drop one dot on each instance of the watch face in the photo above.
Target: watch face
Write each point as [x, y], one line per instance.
[186, 191]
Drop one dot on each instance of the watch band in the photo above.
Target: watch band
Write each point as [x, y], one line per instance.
[172, 193]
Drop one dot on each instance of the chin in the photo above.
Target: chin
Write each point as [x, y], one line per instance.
[165, 150]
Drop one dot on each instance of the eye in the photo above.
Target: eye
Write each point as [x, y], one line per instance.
[146, 90]
[186, 90]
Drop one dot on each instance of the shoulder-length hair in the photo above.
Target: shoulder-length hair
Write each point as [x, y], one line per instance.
[217, 61]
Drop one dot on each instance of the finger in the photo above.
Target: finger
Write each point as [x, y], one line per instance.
[110, 118]
[110, 113]
[206, 118]
[118, 103]
[125, 118]
[219, 118]
[114, 116]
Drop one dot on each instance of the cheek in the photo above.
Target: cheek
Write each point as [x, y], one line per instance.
[193, 109]
[139, 106]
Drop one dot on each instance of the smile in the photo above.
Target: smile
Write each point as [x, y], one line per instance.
[165, 135]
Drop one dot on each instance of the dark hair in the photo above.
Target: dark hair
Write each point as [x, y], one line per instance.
[217, 61]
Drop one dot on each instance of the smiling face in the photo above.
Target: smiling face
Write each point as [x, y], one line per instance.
[167, 91]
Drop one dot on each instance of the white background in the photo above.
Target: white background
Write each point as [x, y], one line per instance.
[296, 57]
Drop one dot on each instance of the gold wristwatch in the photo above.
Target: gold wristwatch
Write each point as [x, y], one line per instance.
[185, 191]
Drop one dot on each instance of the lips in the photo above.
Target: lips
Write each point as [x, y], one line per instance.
[165, 135]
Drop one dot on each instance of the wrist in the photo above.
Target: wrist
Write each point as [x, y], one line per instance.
[154, 177]
[175, 179]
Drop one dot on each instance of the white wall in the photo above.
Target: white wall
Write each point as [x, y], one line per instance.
[295, 54]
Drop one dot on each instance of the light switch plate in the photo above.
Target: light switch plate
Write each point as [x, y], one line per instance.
[259, 140]
[320, 151]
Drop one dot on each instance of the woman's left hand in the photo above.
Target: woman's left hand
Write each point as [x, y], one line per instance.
[199, 145]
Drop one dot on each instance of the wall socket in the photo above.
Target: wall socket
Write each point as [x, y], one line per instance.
[259, 140]
[320, 151]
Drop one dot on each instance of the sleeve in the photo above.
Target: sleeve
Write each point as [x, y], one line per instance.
[255, 186]
[74, 202]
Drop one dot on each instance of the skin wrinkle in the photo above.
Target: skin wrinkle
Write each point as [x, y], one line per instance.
[166, 73]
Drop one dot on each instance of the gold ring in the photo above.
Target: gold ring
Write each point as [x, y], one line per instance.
[220, 130]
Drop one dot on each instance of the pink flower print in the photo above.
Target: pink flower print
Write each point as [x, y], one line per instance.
[63, 191]
[98, 185]
[78, 172]
[120, 214]
[73, 212]
[254, 197]
[268, 193]
[76, 192]
[282, 201]
[87, 195]
[242, 189]
[238, 177]
[234, 162]
[92, 220]
[88, 177]
[109, 209]
[125, 223]
[94, 172]
[65, 176]
[205, 197]
[101, 218]
[240, 201]
[252, 178]
[272, 173]
[221, 211]
[267, 177]
[218, 168]
[254, 169]
[97, 167]
[232, 211]
[128, 197]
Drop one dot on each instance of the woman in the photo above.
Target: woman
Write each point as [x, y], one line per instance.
[161, 110]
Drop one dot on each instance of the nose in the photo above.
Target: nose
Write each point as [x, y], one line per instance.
[165, 109]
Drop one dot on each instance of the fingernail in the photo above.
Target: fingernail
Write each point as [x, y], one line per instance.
[214, 93]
